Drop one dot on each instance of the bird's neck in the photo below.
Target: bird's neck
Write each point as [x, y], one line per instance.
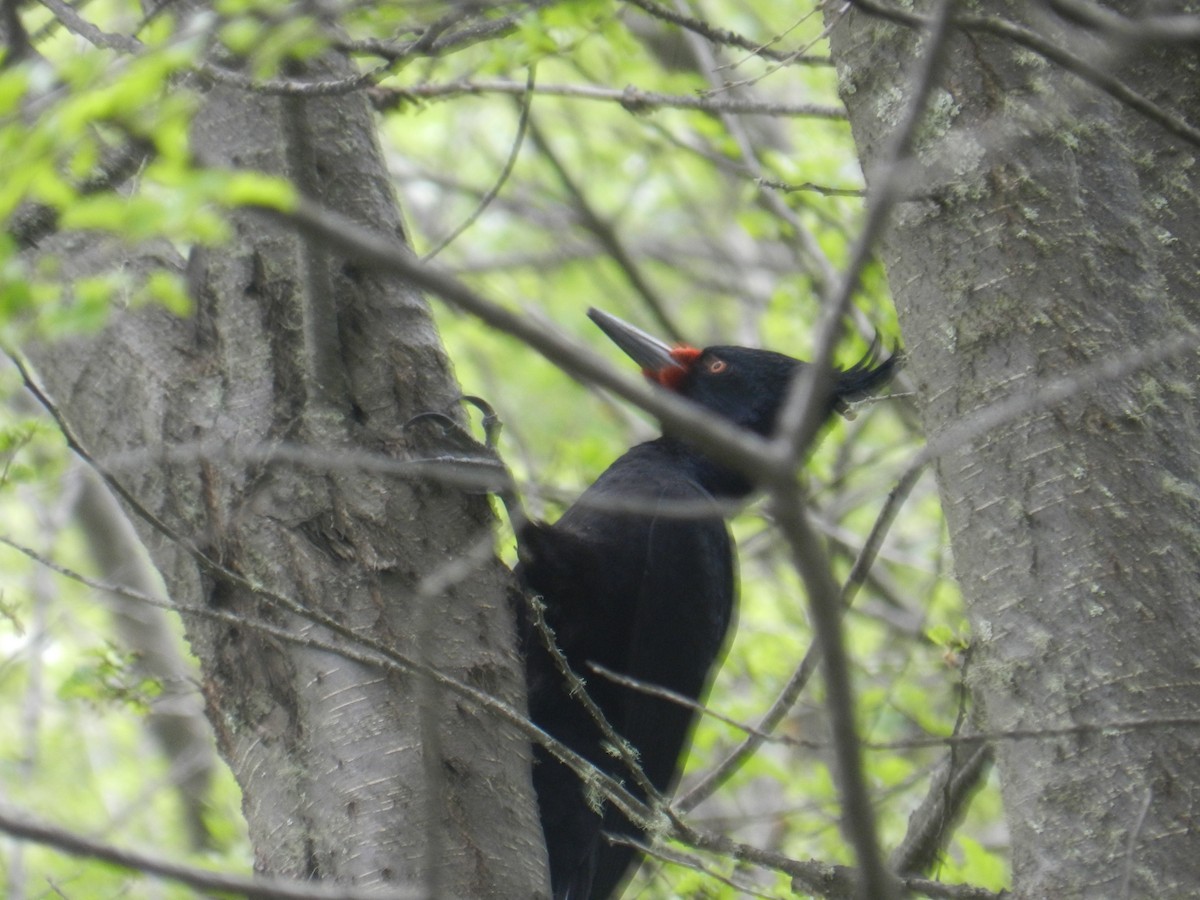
[718, 480]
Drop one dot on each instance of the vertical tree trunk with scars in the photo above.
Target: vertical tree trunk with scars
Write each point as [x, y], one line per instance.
[349, 771]
[1046, 226]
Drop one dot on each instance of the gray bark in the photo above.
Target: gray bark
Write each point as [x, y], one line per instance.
[1047, 226]
[349, 771]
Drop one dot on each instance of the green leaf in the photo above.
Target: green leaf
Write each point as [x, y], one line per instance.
[950, 638]
[16, 298]
[981, 866]
[47, 186]
[100, 211]
[108, 676]
[256, 189]
[169, 290]
[14, 83]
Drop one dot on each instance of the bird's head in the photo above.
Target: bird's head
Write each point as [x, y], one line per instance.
[741, 384]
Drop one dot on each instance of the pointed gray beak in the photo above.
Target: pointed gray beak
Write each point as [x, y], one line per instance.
[648, 352]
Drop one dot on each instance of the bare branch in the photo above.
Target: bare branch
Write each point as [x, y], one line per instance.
[839, 883]
[435, 40]
[724, 36]
[810, 560]
[687, 861]
[632, 99]
[1150, 27]
[481, 473]
[372, 653]
[294, 87]
[578, 690]
[26, 828]
[929, 827]
[803, 411]
[441, 38]
[35, 221]
[654, 690]
[609, 239]
[76, 24]
[485, 201]
[724, 442]
[819, 877]
[799, 421]
[796, 683]
[816, 264]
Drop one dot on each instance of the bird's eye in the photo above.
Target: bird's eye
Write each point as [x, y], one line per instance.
[717, 366]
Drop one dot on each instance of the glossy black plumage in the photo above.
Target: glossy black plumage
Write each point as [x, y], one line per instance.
[632, 585]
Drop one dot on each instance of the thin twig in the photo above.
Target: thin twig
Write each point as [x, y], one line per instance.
[34, 221]
[929, 826]
[817, 876]
[633, 99]
[292, 87]
[803, 411]
[609, 238]
[386, 655]
[811, 561]
[436, 40]
[799, 421]
[509, 164]
[724, 36]
[26, 828]
[77, 25]
[482, 473]
[724, 442]
[439, 40]
[577, 688]
[814, 260]
[788, 187]
[662, 693]
[796, 683]
[687, 861]
[1157, 28]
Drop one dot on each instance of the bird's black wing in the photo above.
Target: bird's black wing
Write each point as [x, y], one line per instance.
[685, 601]
[639, 591]
[683, 616]
[560, 567]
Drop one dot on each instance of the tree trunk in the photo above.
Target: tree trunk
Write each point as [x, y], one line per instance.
[1047, 227]
[350, 771]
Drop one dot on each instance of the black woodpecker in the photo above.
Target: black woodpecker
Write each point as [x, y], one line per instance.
[647, 594]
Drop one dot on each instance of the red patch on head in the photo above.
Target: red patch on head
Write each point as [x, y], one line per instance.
[672, 376]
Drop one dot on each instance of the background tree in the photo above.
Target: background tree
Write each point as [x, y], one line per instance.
[251, 384]
[1046, 237]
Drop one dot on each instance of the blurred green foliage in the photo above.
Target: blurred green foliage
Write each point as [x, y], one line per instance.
[675, 188]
